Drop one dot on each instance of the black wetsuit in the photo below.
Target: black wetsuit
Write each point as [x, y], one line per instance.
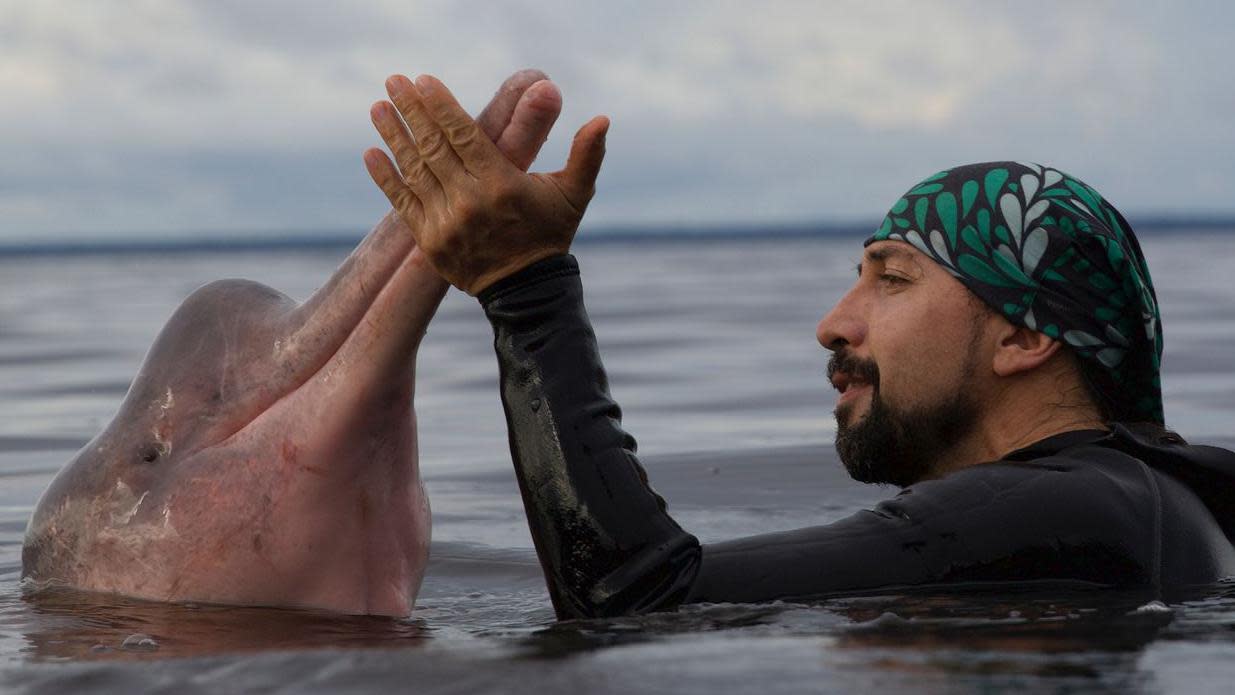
[1120, 508]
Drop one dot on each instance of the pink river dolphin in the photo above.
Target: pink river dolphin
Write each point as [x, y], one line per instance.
[265, 453]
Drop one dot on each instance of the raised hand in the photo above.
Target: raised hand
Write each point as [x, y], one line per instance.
[476, 216]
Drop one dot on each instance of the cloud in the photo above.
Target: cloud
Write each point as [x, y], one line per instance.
[162, 117]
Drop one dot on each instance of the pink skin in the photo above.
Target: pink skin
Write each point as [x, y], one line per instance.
[266, 451]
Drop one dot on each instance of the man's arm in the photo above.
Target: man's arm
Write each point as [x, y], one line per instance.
[605, 541]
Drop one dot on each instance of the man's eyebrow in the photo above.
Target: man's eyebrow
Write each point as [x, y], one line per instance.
[887, 252]
[883, 254]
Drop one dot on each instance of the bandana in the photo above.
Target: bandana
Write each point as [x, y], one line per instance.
[1049, 253]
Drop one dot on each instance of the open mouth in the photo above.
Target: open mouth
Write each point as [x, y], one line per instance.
[849, 386]
[842, 381]
[851, 376]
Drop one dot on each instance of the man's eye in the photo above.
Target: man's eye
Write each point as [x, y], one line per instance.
[893, 279]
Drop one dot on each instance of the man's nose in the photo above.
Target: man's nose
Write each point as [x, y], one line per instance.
[843, 325]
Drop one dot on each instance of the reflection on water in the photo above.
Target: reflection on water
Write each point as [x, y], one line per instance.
[1063, 637]
[715, 364]
[71, 625]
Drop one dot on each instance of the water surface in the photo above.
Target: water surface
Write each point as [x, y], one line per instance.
[710, 347]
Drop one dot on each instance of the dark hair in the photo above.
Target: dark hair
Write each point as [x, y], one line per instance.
[1116, 407]
[1112, 405]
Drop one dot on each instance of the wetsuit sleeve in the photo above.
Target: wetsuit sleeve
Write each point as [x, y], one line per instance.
[605, 542]
[608, 546]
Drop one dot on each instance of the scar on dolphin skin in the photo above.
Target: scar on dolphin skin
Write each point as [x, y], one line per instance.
[265, 452]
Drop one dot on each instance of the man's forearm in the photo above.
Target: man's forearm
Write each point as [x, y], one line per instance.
[604, 539]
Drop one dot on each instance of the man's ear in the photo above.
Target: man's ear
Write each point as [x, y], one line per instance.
[1021, 350]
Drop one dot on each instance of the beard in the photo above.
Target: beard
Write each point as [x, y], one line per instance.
[900, 447]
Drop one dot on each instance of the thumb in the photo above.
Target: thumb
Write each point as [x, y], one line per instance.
[587, 152]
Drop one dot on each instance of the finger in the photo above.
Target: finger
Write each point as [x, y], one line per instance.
[396, 136]
[530, 124]
[415, 171]
[402, 198]
[477, 152]
[587, 152]
[431, 142]
[496, 116]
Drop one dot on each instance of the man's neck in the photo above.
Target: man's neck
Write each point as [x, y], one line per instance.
[1010, 425]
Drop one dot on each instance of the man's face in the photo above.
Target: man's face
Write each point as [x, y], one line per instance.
[908, 360]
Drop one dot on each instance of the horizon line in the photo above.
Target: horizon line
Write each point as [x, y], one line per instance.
[273, 240]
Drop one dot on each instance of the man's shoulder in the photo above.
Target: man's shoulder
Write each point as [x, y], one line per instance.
[1075, 513]
[1079, 484]
[1085, 464]
[1126, 457]
[1110, 481]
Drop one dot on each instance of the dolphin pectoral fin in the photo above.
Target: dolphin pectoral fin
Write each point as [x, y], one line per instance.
[329, 316]
[385, 341]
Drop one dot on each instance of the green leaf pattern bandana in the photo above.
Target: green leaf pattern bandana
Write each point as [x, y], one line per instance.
[1049, 253]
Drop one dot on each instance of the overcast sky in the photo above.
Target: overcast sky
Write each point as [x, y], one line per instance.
[146, 119]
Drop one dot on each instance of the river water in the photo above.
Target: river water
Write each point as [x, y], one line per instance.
[711, 352]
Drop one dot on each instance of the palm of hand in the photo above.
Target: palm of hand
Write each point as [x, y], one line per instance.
[476, 216]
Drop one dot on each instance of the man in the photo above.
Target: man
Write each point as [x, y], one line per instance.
[997, 356]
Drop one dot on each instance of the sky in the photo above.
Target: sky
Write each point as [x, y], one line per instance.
[173, 118]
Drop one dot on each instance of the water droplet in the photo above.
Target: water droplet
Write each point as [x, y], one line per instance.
[535, 404]
[139, 643]
[1153, 607]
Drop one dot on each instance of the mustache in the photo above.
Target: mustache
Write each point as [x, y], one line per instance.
[857, 368]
